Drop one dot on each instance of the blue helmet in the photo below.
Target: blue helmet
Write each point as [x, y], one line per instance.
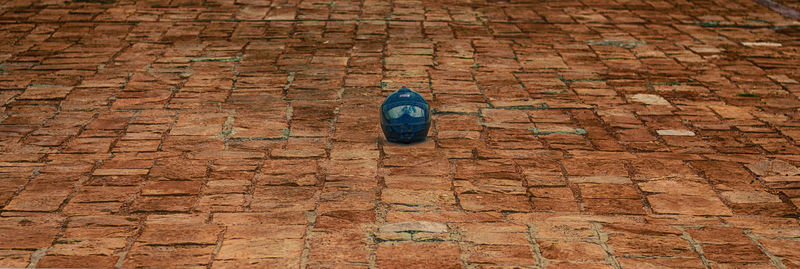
[405, 117]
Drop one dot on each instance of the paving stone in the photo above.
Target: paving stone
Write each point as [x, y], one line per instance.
[266, 231]
[761, 44]
[764, 226]
[641, 229]
[45, 92]
[172, 188]
[89, 145]
[165, 234]
[119, 172]
[750, 197]
[199, 124]
[226, 186]
[419, 199]
[40, 197]
[87, 246]
[259, 262]
[608, 191]
[650, 99]
[600, 179]
[221, 202]
[164, 203]
[167, 256]
[502, 254]
[443, 216]
[259, 248]
[418, 226]
[417, 182]
[781, 248]
[495, 238]
[561, 193]
[734, 253]
[684, 204]
[711, 235]
[483, 234]
[613, 206]
[283, 199]
[248, 218]
[251, 128]
[572, 251]
[632, 244]
[297, 153]
[441, 255]
[344, 219]
[28, 232]
[677, 187]
[564, 228]
[675, 133]
[178, 169]
[597, 168]
[573, 265]
[110, 121]
[339, 247]
[76, 261]
[773, 168]
[662, 262]
[15, 258]
[494, 202]
[489, 185]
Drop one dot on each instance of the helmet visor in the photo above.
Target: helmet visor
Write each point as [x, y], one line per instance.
[410, 110]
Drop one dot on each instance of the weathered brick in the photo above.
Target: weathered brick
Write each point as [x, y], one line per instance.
[572, 251]
[440, 255]
[172, 188]
[76, 261]
[257, 124]
[168, 256]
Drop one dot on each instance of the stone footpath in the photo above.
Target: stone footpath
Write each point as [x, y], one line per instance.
[236, 133]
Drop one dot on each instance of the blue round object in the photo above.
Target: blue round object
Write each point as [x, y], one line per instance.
[405, 117]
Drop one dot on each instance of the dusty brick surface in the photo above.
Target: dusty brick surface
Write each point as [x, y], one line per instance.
[565, 134]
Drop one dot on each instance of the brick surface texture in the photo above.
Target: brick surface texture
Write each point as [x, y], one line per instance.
[245, 134]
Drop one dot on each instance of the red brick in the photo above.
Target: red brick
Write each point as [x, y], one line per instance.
[613, 206]
[572, 251]
[712, 235]
[632, 244]
[260, 248]
[168, 256]
[172, 188]
[494, 202]
[782, 248]
[28, 232]
[441, 255]
[734, 253]
[165, 234]
[662, 262]
[15, 258]
[339, 246]
[164, 203]
[77, 261]
[502, 254]
[344, 219]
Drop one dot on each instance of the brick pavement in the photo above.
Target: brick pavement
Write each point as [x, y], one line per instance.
[566, 134]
